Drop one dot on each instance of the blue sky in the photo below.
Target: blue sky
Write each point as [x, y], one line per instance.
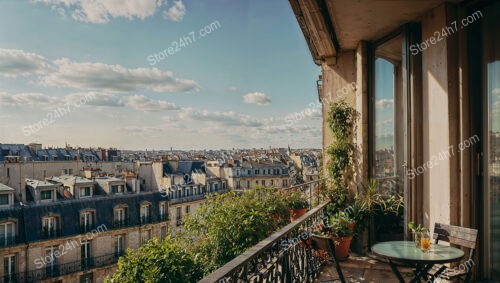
[230, 88]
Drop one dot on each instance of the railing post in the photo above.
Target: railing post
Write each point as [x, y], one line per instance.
[310, 196]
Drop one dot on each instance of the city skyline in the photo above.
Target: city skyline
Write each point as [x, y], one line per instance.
[218, 90]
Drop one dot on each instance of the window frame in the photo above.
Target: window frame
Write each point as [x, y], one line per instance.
[412, 125]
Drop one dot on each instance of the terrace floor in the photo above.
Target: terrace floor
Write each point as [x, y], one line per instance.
[362, 269]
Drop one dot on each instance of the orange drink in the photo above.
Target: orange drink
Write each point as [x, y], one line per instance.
[425, 242]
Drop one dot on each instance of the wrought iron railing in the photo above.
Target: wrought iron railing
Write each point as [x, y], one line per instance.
[278, 258]
[146, 219]
[57, 270]
[163, 217]
[10, 240]
[121, 223]
[50, 233]
[84, 228]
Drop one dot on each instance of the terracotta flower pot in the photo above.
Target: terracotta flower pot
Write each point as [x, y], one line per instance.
[351, 226]
[342, 247]
[296, 213]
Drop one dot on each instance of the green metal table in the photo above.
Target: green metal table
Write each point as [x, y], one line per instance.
[406, 252]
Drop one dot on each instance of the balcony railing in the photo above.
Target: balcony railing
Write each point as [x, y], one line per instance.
[50, 233]
[271, 261]
[121, 223]
[60, 269]
[145, 219]
[163, 217]
[8, 241]
[84, 228]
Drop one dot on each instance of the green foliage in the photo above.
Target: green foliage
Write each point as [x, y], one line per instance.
[296, 200]
[341, 151]
[221, 229]
[157, 262]
[416, 229]
[339, 225]
[341, 119]
[227, 225]
[275, 202]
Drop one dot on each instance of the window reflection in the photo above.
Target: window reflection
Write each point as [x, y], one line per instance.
[388, 113]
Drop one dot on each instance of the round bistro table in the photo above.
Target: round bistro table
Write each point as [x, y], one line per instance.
[406, 252]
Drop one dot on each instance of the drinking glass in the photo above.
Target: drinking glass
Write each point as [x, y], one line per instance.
[425, 241]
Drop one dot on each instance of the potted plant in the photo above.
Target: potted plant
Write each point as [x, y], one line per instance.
[297, 204]
[340, 230]
[277, 206]
[417, 232]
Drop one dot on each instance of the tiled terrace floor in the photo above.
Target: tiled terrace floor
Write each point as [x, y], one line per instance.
[363, 269]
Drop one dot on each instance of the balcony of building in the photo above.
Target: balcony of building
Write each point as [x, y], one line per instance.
[59, 270]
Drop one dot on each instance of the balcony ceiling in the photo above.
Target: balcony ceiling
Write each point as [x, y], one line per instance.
[349, 21]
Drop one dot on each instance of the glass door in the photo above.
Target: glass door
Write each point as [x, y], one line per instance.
[491, 133]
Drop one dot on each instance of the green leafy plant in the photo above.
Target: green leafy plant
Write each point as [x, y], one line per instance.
[227, 225]
[157, 262]
[340, 225]
[416, 229]
[296, 200]
[277, 206]
[341, 120]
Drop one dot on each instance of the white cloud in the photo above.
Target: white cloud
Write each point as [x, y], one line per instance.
[101, 12]
[258, 98]
[227, 118]
[232, 88]
[114, 78]
[97, 99]
[143, 103]
[32, 99]
[14, 62]
[136, 102]
[383, 103]
[386, 122]
[176, 12]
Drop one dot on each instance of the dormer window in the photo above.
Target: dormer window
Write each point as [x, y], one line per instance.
[50, 226]
[47, 195]
[145, 213]
[163, 211]
[6, 199]
[7, 233]
[87, 220]
[121, 216]
[117, 189]
[85, 192]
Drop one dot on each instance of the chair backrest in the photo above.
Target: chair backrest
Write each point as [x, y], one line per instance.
[461, 236]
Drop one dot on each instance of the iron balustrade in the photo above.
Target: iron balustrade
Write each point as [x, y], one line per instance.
[84, 228]
[163, 217]
[272, 261]
[146, 219]
[10, 240]
[121, 223]
[50, 233]
[56, 270]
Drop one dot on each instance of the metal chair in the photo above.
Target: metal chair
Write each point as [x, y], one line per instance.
[460, 236]
[327, 244]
